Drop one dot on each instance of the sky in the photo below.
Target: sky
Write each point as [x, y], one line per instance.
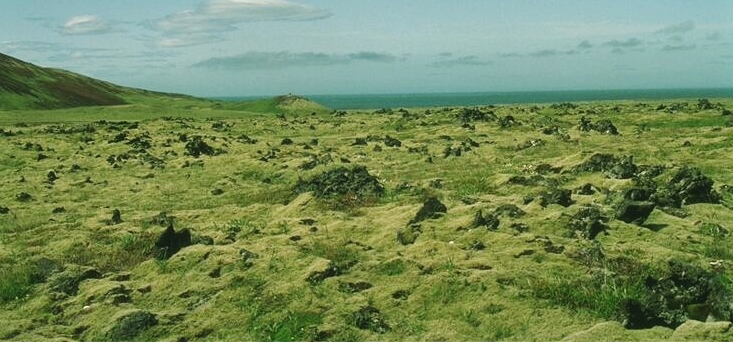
[309, 47]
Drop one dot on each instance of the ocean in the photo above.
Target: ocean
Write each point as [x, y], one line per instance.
[377, 101]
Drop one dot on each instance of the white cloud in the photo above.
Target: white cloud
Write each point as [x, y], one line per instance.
[677, 29]
[216, 16]
[255, 60]
[86, 25]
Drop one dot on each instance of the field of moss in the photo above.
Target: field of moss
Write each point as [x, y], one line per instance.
[194, 222]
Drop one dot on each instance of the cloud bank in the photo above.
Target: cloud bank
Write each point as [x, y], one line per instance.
[86, 25]
[201, 25]
[459, 61]
[676, 29]
[256, 60]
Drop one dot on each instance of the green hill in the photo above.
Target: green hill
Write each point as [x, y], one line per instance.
[28, 86]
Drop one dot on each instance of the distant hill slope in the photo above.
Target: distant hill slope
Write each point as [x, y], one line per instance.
[27, 86]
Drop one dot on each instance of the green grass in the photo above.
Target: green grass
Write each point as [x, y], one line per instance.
[253, 283]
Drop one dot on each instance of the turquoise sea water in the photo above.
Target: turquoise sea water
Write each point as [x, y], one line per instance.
[376, 101]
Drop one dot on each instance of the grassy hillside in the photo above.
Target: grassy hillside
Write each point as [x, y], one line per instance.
[26, 86]
[577, 222]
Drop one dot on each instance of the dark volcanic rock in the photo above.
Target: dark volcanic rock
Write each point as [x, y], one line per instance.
[692, 186]
[611, 166]
[409, 234]
[342, 181]
[196, 146]
[510, 210]
[683, 293]
[491, 221]
[171, 241]
[392, 142]
[4, 210]
[130, 324]
[67, 282]
[587, 223]
[370, 318]
[603, 126]
[634, 212]
[556, 196]
[432, 208]
[331, 270]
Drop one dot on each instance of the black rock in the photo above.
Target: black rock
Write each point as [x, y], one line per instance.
[392, 142]
[128, 326]
[491, 221]
[432, 208]
[196, 146]
[171, 241]
[692, 186]
[587, 223]
[355, 181]
[634, 212]
[409, 234]
[116, 217]
[370, 318]
[510, 210]
[23, 197]
[4, 210]
[556, 196]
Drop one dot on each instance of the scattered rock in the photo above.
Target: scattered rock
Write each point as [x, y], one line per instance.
[171, 241]
[692, 186]
[556, 196]
[369, 318]
[196, 147]
[603, 126]
[116, 218]
[217, 192]
[687, 291]
[321, 270]
[409, 234]
[525, 252]
[58, 210]
[23, 197]
[129, 324]
[519, 227]
[4, 210]
[353, 287]
[401, 294]
[67, 282]
[162, 219]
[392, 142]
[286, 141]
[586, 189]
[342, 181]
[510, 210]
[359, 142]
[587, 223]
[609, 165]
[634, 212]
[431, 209]
[530, 143]
[491, 221]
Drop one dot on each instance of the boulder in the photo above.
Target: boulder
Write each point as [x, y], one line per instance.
[171, 241]
[556, 196]
[634, 212]
[355, 181]
[129, 324]
[431, 209]
[588, 222]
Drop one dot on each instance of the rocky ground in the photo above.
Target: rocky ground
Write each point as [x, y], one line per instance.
[575, 221]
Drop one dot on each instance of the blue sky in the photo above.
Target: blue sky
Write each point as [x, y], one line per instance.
[269, 47]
